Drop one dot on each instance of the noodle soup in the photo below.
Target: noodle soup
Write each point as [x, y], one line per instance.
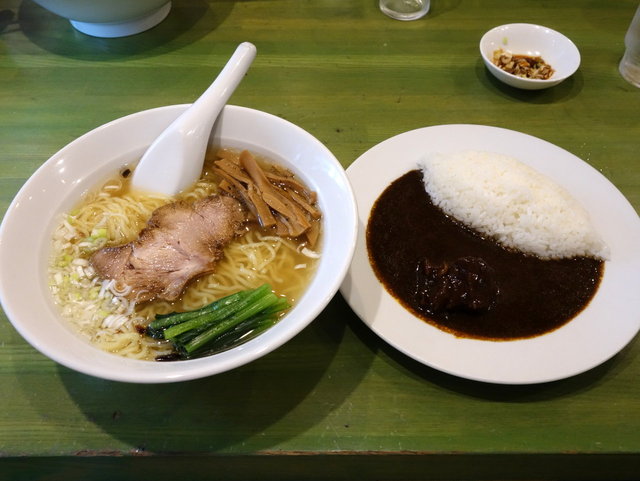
[100, 310]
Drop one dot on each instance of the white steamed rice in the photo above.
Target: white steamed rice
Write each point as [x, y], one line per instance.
[512, 203]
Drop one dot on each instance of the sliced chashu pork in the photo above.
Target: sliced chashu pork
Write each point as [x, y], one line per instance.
[181, 241]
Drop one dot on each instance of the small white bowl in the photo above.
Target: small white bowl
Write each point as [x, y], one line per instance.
[110, 18]
[26, 235]
[535, 40]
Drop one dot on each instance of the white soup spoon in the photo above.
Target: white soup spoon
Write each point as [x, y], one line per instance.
[174, 160]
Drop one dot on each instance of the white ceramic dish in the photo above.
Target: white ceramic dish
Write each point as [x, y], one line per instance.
[110, 18]
[534, 40]
[608, 323]
[57, 185]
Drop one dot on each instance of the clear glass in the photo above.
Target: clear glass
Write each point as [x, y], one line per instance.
[405, 9]
[630, 63]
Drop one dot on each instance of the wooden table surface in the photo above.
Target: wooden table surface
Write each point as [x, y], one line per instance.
[336, 402]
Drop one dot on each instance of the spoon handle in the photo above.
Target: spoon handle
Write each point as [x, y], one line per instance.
[174, 160]
[205, 110]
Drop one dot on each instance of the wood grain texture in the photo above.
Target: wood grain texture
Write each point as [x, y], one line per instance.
[336, 401]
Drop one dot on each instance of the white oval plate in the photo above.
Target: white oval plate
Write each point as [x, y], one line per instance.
[610, 321]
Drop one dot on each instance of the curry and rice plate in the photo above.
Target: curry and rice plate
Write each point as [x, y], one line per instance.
[483, 246]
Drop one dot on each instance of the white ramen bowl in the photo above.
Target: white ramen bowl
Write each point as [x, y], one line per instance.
[534, 40]
[57, 186]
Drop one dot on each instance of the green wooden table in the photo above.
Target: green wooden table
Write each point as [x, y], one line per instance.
[335, 402]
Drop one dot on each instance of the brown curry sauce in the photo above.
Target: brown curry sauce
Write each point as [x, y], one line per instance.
[534, 296]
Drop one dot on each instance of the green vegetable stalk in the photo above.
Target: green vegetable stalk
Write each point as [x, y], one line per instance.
[220, 325]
